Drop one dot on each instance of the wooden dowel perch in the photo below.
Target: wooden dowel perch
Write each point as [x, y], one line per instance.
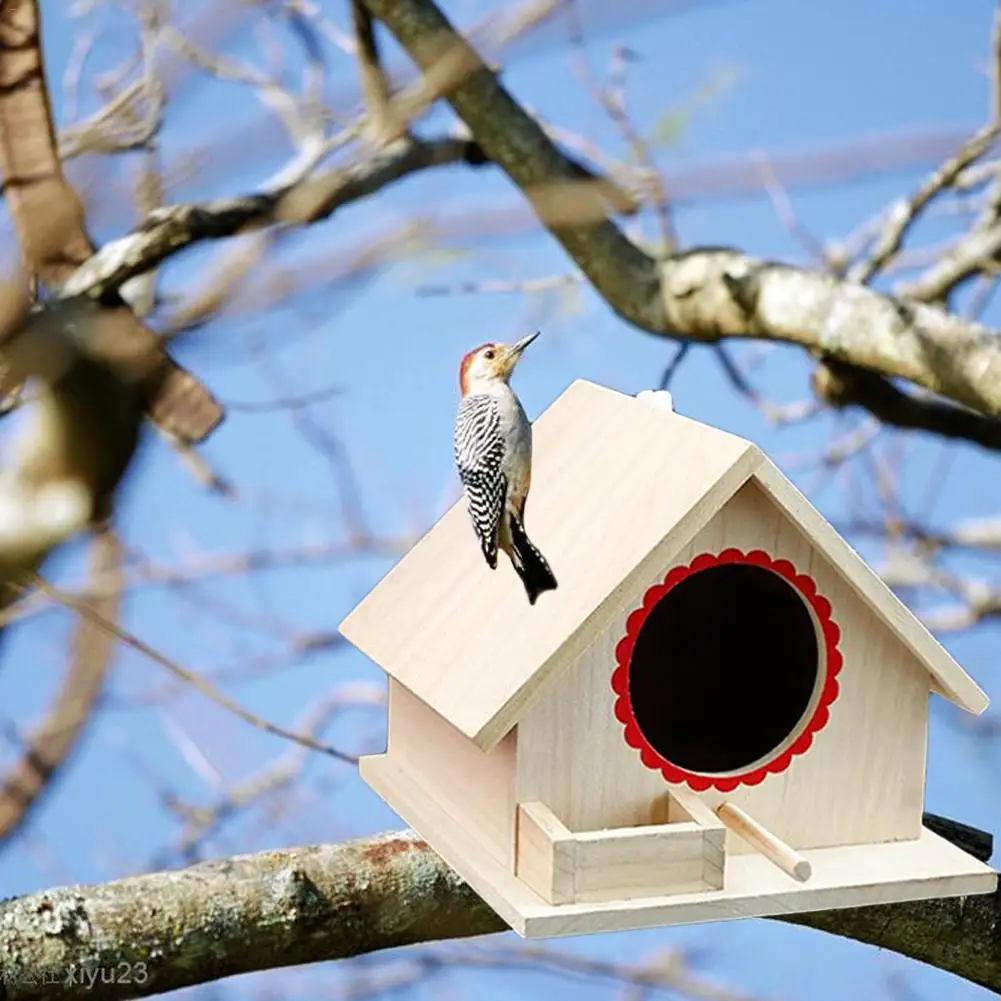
[762, 840]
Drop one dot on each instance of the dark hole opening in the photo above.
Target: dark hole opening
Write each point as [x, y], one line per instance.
[724, 668]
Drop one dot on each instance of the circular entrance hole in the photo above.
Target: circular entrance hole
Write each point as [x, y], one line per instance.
[724, 669]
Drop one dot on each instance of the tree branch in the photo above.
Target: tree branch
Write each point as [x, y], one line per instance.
[374, 84]
[704, 295]
[51, 227]
[167, 231]
[219, 919]
[843, 386]
[168, 930]
[708, 293]
[623, 275]
[907, 210]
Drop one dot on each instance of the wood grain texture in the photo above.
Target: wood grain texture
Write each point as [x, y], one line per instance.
[843, 877]
[675, 856]
[612, 477]
[684, 805]
[953, 682]
[420, 806]
[545, 856]
[477, 786]
[862, 779]
[634, 481]
[764, 842]
[632, 862]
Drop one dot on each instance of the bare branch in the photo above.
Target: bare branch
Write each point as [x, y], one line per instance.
[968, 256]
[613, 99]
[982, 534]
[707, 294]
[906, 211]
[200, 823]
[170, 230]
[196, 681]
[843, 386]
[220, 565]
[50, 221]
[783, 205]
[739, 175]
[516, 142]
[49, 748]
[374, 84]
[325, 902]
[200, 468]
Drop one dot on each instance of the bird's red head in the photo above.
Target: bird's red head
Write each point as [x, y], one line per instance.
[484, 358]
[490, 362]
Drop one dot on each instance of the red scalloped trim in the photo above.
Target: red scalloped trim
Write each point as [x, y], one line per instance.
[634, 623]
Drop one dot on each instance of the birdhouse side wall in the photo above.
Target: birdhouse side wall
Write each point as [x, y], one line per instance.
[861, 780]
[474, 787]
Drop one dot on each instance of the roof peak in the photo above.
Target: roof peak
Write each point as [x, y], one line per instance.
[619, 488]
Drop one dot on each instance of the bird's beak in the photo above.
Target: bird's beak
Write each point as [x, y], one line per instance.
[515, 351]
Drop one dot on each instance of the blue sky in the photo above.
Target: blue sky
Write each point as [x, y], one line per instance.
[806, 74]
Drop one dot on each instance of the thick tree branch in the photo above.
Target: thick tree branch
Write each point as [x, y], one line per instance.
[707, 294]
[966, 258]
[51, 229]
[623, 274]
[167, 231]
[172, 929]
[843, 386]
[219, 919]
[47, 214]
[711, 293]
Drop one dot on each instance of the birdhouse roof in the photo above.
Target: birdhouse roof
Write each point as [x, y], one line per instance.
[619, 486]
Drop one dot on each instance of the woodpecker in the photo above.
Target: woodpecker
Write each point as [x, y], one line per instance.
[493, 451]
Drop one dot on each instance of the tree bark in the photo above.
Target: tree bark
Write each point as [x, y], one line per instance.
[706, 294]
[49, 220]
[158, 932]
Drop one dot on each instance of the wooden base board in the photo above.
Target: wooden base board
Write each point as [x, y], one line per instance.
[842, 877]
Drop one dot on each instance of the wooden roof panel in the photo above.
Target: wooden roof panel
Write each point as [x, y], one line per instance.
[618, 485]
[611, 476]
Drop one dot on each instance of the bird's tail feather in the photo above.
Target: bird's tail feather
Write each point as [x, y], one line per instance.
[529, 563]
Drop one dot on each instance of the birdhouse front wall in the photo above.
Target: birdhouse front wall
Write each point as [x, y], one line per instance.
[856, 777]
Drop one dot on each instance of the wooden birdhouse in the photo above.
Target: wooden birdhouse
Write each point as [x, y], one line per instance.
[721, 712]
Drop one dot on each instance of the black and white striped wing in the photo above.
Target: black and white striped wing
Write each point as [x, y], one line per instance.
[479, 452]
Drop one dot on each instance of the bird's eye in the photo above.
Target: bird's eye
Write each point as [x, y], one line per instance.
[489, 353]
